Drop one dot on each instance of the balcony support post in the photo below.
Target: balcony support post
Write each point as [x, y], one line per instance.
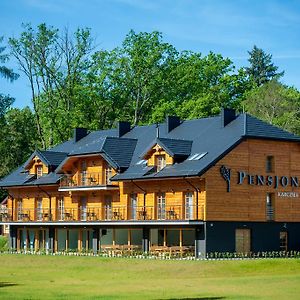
[146, 239]
[200, 241]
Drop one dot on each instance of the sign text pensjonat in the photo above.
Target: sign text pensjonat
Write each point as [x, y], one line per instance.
[268, 180]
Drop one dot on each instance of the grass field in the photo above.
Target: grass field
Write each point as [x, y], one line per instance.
[68, 277]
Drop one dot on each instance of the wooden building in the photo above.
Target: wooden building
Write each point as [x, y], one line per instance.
[228, 183]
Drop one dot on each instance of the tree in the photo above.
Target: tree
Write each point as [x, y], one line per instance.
[277, 104]
[7, 73]
[53, 64]
[18, 138]
[261, 69]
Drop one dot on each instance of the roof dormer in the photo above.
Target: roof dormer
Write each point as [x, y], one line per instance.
[43, 162]
[164, 151]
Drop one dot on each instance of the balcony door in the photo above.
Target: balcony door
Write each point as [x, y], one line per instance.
[189, 206]
[161, 206]
[83, 209]
[39, 209]
[133, 206]
[19, 209]
[83, 173]
[108, 207]
[61, 209]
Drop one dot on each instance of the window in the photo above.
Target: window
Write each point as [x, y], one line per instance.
[189, 205]
[39, 171]
[108, 175]
[270, 206]
[283, 235]
[160, 162]
[197, 156]
[270, 166]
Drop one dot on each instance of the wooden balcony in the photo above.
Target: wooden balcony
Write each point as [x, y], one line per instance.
[86, 181]
[105, 213]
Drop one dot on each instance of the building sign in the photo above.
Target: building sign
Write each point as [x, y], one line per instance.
[288, 194]
[274, 181]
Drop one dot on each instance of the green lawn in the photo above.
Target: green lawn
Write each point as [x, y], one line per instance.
[60, 277]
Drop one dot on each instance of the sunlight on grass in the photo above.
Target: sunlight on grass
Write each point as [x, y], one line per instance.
[48, 277]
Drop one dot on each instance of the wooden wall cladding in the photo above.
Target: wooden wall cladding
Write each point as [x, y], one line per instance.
[247, 202]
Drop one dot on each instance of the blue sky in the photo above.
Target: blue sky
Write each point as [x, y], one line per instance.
[230, 28]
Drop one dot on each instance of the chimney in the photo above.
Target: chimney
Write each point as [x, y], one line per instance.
[172, 122]
[79, 133]
[227, 115]
[123, 128]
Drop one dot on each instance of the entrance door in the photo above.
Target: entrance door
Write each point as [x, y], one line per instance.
[107, 207]
[242, 240]
[283, 235]
[83, 209]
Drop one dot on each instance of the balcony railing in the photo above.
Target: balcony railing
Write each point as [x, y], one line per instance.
[83, 180]
[104, 213]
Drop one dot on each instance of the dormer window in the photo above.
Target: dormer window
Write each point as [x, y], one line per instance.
[39, 171]
[160, 162]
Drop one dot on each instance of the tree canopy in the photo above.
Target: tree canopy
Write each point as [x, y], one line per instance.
[75, 84]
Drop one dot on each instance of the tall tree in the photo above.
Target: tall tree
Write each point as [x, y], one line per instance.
[53, 64]
[7, 73]
[261, 69]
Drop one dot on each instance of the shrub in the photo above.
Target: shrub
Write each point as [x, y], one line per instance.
[3, 243]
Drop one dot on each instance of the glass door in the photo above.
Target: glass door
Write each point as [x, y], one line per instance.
[61, 209]
[19, 210]
[83, 209]
[161, 206]
[83, 173]
[133, 206]
[39, 209]
[189, 208]
[108, 207]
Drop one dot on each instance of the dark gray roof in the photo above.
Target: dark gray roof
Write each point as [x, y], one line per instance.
[173, 147]
[119, 151]
[49, 158]
[202, 142]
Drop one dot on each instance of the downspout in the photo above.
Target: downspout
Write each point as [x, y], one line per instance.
[49, 196]
[145, 193]
[197, 198]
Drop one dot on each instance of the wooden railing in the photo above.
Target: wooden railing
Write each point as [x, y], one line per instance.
[83, 180]
[104, 213]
